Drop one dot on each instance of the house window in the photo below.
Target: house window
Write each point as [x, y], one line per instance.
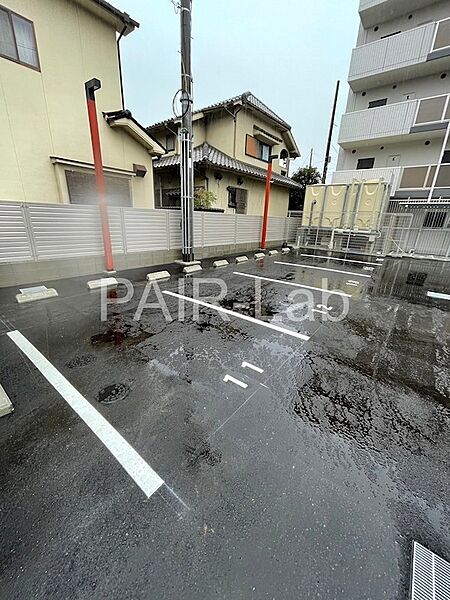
[365, 163]
[170, 142]
[237, 199]
[257, 149]
[83, 189]
[434, 220]
[17, 39]
[375, 103]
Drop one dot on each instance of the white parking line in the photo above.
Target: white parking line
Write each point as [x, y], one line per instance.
[438, 295]
[291, 283]
[131, 461]
[230, 379]
[246, 365]
[295, 334]
[359, 262]
[277, 262]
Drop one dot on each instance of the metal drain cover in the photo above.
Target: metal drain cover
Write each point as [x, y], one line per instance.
[430, 578]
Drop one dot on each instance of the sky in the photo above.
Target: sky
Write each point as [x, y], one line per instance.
[289, 54]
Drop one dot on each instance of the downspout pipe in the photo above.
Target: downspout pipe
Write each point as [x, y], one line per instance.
[119, 58]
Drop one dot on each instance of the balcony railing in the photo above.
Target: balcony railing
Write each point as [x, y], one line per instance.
[390, 175]
[398, 51]
[393, 120]
[414, 178]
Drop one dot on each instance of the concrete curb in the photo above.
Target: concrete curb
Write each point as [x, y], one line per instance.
[285, 250]
[6, 406]
[241, 259]
[259, 255]
[192, 269]
[158, 275]
[220, 263]
[273, 252]
[96, 284]
[25, 296]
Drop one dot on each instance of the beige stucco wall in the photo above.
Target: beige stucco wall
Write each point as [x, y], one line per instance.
[43, 114]
[246, 120]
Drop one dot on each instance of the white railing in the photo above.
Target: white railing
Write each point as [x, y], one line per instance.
[31, 232]
[393, 119]
[384, 121]
[390, 175]
[397, 51]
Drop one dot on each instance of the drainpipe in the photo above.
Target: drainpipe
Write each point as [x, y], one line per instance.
[235, 114]
[119, 58]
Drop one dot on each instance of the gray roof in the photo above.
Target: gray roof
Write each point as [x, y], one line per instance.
[245, 98]
[209, 156]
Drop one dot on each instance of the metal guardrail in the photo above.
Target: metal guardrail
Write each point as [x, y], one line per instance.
[31, 232]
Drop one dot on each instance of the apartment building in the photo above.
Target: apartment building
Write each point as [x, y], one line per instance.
[396, 125]
[233, 141]
[48, 50]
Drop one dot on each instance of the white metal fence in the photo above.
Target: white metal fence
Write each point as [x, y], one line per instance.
[408, 230]
[31, 232]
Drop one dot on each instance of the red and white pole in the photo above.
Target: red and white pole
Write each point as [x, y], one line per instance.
[91, 87]
[266, 203]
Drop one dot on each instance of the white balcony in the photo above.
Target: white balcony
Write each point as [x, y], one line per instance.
[390, 175]
[374, 12]
[418, 52]
[391, 122]
[408, 181]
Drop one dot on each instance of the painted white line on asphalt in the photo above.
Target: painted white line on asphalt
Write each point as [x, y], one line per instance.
[277, 262]
[438, 295]
[291, 283]
[246, 365]
[321, 312]
[131, 461]
[324, 307]
[295, 334]
[230, 379]
[359, 262]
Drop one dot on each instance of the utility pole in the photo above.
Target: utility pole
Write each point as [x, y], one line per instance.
[186, 158]
[330, 134]
[311, 157]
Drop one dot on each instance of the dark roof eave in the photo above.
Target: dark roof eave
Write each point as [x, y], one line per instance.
[122, 16]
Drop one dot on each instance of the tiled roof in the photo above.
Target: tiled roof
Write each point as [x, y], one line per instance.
[245, 98]
[210, 156]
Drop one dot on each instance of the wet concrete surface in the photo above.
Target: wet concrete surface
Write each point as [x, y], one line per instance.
[310, 483]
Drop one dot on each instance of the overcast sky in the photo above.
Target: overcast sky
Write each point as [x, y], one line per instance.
[288, 53]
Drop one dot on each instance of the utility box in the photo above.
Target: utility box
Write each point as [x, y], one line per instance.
[358, 206]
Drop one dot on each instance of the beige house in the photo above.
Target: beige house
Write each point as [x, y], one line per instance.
[48, 50]
[233, 141]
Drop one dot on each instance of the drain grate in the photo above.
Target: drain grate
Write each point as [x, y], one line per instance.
[430, 578]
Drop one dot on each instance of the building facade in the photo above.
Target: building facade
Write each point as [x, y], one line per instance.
[396, 125]
[233, 142]
[48, 50]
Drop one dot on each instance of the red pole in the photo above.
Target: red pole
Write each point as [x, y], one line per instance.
[266, 204]
[91, 87]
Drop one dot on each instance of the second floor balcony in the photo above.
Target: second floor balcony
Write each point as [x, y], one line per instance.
[414, 53]
[392, 122]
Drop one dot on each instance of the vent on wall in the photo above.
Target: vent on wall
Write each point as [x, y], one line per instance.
[430, 577]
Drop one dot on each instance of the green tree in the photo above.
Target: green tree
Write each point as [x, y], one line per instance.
[204, 199]
[304, 176]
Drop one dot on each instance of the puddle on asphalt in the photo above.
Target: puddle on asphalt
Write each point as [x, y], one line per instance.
[121, 329]
[411, 279]
[201, 453]
[81, 361]
[376, 416]
[113, 393]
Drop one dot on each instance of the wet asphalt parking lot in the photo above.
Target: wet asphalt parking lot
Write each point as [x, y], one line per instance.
[310, 482]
